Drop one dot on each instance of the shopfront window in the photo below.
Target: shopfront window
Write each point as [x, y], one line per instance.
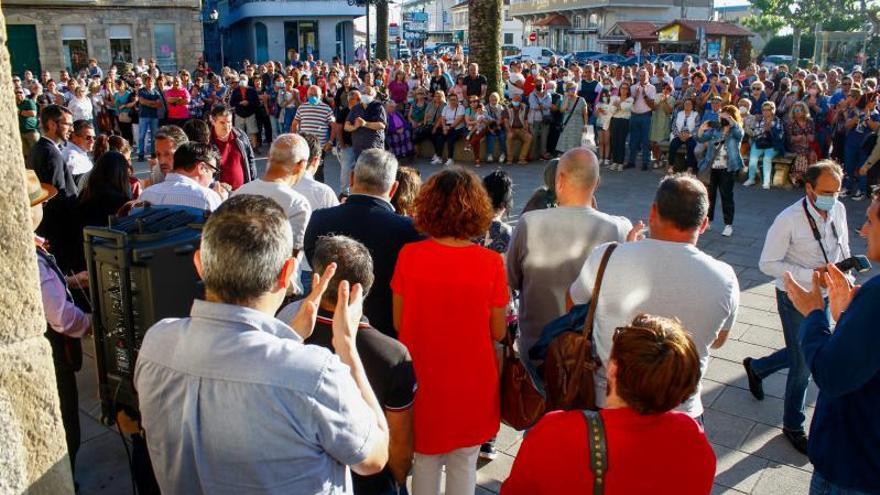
[165, 47]
[262, 35]
[120, 45]
[308, 38]
[75, 47]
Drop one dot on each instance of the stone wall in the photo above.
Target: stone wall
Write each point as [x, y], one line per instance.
[33, 453]
[48, 17]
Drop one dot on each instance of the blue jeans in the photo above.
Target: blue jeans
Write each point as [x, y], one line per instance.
[147, 124]
[289, 114]
[821, 486]
[639, 134]
[791, 357]
[767, 169]
[853, 158]
[500, 137]
[346, 165]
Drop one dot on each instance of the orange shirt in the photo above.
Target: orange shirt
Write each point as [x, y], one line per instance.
[448, 293]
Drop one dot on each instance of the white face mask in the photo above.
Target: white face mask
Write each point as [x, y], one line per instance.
[744, 110]
[366, 99]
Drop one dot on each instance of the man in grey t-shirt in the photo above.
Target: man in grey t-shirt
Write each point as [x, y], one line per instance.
[665, 275]
[549, 247]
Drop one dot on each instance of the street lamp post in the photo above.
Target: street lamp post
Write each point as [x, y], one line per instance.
[213, 18]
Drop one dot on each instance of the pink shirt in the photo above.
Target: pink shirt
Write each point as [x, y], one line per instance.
[61, 314]
[179, 110]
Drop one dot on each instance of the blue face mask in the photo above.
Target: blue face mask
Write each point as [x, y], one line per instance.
[825, 202]
[314, 100]
[514, 103]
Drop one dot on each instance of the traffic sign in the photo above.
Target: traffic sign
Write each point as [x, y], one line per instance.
[533, 36]
[415, 16]
[393, 30]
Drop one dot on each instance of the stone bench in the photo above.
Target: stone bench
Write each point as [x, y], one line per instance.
[781, 164]
[425, 149]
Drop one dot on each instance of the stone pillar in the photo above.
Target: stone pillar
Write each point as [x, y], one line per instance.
[33, 454]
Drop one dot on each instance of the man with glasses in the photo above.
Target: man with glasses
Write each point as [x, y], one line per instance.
[842, 92]
[45, 159]
[76, 151]
[806, 236]
[192, 181]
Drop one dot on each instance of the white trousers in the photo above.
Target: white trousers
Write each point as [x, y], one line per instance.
[461, 472]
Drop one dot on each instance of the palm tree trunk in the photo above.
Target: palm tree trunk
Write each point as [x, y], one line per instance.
[484, 33]
[796, 45]
[382, 30]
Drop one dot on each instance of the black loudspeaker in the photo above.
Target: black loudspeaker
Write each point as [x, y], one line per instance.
[140, 271]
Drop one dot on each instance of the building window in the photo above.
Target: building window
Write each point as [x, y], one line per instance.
[594, 21]
[508, 38]
[165, 47]
[507, 15]
[120, 45]
[262, 35]
[75, 47]
[308, 38]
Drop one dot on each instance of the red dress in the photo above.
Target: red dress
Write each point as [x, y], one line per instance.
[660, 454]
[448, 293]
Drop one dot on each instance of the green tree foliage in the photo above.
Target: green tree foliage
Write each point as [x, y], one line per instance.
[781, 45]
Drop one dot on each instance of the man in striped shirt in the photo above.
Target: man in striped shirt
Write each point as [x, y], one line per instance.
[316, 118]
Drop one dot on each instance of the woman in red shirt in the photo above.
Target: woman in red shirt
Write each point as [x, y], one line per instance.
[654, 366]
[450, 300]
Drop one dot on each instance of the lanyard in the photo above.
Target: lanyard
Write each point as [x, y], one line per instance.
[329, 321]
[815, 229]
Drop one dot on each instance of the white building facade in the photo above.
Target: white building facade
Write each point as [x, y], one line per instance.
[578, 25]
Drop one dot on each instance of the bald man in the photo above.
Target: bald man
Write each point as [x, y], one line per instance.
[549, 247]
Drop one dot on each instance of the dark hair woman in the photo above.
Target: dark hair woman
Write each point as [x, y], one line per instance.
[499, 186]
[106, 190]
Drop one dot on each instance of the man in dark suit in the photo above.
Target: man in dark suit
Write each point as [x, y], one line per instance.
[367, 216]
[58, 227]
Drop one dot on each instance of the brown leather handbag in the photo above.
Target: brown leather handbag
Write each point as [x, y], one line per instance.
[570, 363]
[522, 399]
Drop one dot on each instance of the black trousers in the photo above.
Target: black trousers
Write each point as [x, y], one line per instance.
[690, 160]
[619, 131]
[449, 140]
[721, 180]
[264, 128]
[68, 397]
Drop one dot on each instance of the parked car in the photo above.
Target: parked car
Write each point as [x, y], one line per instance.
[771, 61]
[538, 54]
[510, 50]
[638, 60]
[511, 59]
[675, 59]
[582, 57]
[607, 58]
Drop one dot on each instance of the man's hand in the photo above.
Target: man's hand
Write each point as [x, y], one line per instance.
[346, 318]
[328, 146]
[840, 291]
[359, 122]
[244, 103]
[222, 189]
[684, 135]
[637, 233]
[79, 281]
[304, 321]
[805, 301]
[863, 170]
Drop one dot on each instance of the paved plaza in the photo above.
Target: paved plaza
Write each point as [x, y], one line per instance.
[753, 456]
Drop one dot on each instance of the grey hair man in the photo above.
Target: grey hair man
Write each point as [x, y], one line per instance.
[368, 217]
[326, 416]
[366, 122]
[288, 158]
[549, 247]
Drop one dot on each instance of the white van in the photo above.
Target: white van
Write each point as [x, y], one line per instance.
[537, 54]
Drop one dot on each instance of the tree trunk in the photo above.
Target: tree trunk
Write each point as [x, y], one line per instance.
[796, 45]
[382, 30]
[484, 34]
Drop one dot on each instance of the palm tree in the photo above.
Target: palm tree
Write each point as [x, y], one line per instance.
[381, 29]
[484, 39]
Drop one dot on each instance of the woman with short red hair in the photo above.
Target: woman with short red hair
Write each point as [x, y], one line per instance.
[450, 303]
[649, 448]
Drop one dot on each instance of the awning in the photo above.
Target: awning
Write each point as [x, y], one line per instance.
[555, 20]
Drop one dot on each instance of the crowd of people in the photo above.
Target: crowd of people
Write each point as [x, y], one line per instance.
[350, 336]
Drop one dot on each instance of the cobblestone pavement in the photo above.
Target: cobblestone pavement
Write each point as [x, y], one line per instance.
[753, 457]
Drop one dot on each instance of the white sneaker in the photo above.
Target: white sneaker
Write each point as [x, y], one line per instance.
[728, 231]
[450, 163]
[501, 158]
[490, 159]
[436, 160]
[765, 186]
[749, 183]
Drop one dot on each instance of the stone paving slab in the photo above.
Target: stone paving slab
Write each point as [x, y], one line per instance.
[753, 457]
